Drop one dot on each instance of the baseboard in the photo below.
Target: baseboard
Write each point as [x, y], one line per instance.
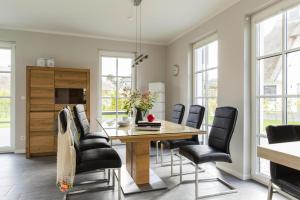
[235, 173]
[20, 151]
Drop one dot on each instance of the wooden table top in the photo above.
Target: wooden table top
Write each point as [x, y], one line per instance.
[287, 153]
[168, 131]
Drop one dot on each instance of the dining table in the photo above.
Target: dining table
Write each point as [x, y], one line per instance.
[136, 174]
[286, 153]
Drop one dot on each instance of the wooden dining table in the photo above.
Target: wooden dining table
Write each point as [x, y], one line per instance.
[137, 176]
[287, 153]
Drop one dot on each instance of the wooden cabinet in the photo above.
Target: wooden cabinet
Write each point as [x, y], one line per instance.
[70, 79]
[42, 111]
[41, 90]
[42, 132]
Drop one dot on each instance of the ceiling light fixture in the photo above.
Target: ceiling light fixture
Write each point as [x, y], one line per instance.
[139, 57]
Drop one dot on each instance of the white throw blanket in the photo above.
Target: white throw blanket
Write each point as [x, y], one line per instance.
[66, 154]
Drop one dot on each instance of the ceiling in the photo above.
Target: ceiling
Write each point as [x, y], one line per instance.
[162, 20]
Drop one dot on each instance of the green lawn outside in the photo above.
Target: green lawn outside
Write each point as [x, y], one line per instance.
[4, 125]
[269, 122]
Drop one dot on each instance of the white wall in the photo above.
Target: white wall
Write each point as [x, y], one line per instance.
[71, 51]
[233, 88]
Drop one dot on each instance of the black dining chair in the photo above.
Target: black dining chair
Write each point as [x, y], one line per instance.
[194, 120]
[91, 161]
[177, 117]
[177, 113]
[217, 149]
[284, 180]
[87, 143]
[83, 124]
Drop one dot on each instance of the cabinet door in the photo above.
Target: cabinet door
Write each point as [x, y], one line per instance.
[41, 90]
[42, 132]
[70, 79]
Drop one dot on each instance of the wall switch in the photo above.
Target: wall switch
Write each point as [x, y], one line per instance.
[22, 137]
[23, 98]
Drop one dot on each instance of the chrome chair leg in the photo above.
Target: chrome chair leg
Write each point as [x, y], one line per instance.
[113, 178]
[119, 184]
[270, 191]
[196, 181]
[180, 169]
[65, 196]
[161, 153]
[108, 177]
[157, 142]
[172, 153]
[273, 188]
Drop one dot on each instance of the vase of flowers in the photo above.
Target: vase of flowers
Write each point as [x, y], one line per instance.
[138, 103]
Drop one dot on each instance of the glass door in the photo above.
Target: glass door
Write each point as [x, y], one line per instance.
[276, 76]
[116, 74]
[6, 141]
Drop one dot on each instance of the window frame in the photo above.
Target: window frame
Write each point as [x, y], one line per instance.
[256, 96]
[200, 44]
[100, 76]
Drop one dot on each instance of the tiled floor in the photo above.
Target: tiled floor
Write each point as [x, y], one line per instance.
[34, 179]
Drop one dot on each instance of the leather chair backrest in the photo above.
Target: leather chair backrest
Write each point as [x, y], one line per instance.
[64, 121]
[81, 120]
[279, 134]
[283, 133]
[195, 118]
[177, 113]
[222, 128]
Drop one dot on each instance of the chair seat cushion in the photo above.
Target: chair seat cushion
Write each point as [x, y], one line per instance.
[93, 143]
[174, 144]
[289, 184]
[204, 153]
[94, 159]
[92, 135]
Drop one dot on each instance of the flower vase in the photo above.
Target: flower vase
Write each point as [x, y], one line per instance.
[138, 116]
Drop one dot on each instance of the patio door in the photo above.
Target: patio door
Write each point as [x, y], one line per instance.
[275, 73]
[6, 97]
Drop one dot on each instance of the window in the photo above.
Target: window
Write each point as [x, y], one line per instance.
[205, 76]
[276, 74]
[116, 74]
[6, 100]
[270, 89]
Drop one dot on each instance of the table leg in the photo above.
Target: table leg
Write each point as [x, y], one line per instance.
[137, 161]
[137, 176]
